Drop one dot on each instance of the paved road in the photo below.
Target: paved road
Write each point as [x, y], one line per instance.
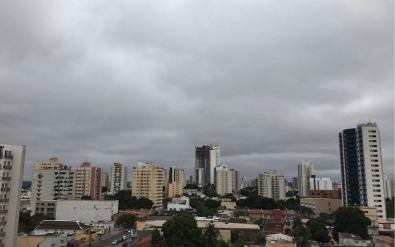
[108, 241]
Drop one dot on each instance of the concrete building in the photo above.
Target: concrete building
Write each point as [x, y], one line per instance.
[236, 180]
[223, 179]
[347, 239]
[179, 204]
[51, 183]
[321, 205]
[148, 182]
[119, 178]
[371, 213]
[105, 180]
[388, 193]
[86, 211]
[305, 170]
[206, 159]
[177, 175]
[295, 183]
[89, 181]
[271, 185]
[12, 160]
[46, 207]
[361, 168]
[334, 194]
[320, 183]
[52, 163]
[174, 189]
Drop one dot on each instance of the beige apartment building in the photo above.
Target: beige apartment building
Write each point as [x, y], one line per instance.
[105, 182]
[52, 163]
[89, 181]
[174, 189]
[148, 182]
[321, 205]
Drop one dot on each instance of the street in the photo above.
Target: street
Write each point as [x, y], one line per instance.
[108, 242]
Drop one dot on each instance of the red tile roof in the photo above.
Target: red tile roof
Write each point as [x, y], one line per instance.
[145, 242]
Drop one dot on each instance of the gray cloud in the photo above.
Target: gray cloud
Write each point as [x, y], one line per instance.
[272, 83]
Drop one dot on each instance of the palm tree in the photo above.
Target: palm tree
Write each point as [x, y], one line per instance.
[302, 236]
[211, 234]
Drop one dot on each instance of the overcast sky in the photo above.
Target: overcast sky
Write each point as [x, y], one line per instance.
[272, 82]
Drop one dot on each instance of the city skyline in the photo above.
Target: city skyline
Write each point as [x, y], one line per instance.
[272, 84]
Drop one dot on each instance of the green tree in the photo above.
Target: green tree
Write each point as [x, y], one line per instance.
[351, 220]
[302, 236]
[223, 243]
[126, 220]
[212, 204]
[127, 201]
[261, 238]
[86, 198]
[201, 210]
[234, 235]
[297, 222]
[211, 233]
[240, 243]
[28, 223]
[191, 186]
[195, 202]
[318, 230]
[104, 189]
[328, 218]
[182, 230]
[156, 239]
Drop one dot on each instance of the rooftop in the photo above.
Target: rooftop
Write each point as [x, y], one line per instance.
[349, 235]
[202, 224]
[62, 225]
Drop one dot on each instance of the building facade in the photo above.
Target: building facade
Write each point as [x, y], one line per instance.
[46, 207]
[105, 180]
[51, 183]
[321, 205]
[148, 182]
[223, 180]
[174, 189]
[334, 194]
[12, 160]
[177, 175]
[361, 168]
[206, 159]
[294, 183]
[320, 183]
[119, 178]
[89, 181]
[236, 180]
[271, 185]
[305, 170]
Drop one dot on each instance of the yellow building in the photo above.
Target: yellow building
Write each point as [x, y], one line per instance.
[89, 181]
[371, 213]
[174, 189]
[52, 163]
[148, 182]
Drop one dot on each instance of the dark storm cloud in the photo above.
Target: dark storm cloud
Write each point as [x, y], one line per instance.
[272, 83]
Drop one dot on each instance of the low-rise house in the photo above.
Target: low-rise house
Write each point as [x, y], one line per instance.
[69, 227]
[275, 215]
[179, 204]
[347, 239]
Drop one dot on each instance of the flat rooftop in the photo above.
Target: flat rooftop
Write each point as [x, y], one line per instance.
[202, 224]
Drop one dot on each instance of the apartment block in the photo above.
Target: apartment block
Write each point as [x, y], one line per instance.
[177, 175]
[52, 183]
[148, 182]
[334, 194]
[223, 179]
[46, 207]
[320, 183]
[305, 170]
[174, 189]
[362, 169]
[52, 163]
[271, 185]
[206, 159]
[236, 180]
[119, 178]
[12, 160]
[105, 180]
[89, 181]
[321, 205]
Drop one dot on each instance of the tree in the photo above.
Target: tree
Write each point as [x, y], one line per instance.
[234, 235]
[201, 210]
[182, 230]
[261, 238]
[86, 198]
[240, 243]
[191, 186]
[297, 222]
[223, 243]
[104, 189]
[127, 201]
[211, 233]
[212, 204]
[328, 218]
[126, 220]
[156, 239]
[302, 236]
[28, 223]
[351, 220]
[318, 230]
[390, 207]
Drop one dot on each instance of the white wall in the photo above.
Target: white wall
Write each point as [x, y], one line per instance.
[86, 211]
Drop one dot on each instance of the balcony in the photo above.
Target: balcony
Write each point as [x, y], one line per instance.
[6, 178]
[7, 167]
[2, 223]
[2, 234]
[5, 189]
[8, 156]
[4, 211]
[4, 200]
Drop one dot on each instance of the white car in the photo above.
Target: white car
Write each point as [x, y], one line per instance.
[115, 242]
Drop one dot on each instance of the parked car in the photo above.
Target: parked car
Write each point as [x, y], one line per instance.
[120, 240]
[124, 237]
[115, 242]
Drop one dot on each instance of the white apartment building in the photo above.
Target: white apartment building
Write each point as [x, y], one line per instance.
[86, 211]
[236, 180]
[387, 187]
[179, 204]
[51, 183]
[362, 169]
[215, 160]
[305, 170]
[223, 179]
[271, 185]
[119, 178]
[320, 183]
[12, 161]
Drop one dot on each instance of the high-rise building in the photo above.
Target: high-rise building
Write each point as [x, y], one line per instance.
[89, 181]
[52, 182]
[271, 185]
[52, 163]
[305, 170]
[148, 182]
[294, 183]
[320, 183]
[177, 175]
[387, 186]
[105, 180]
[223, 179]
[119, 178]
[236, 180]
[12, 160]
[361, 168]
[206, 159]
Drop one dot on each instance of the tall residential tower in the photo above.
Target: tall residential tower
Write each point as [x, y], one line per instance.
[305, 170]
[119, 178]
[361, 168]
[206, 159]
